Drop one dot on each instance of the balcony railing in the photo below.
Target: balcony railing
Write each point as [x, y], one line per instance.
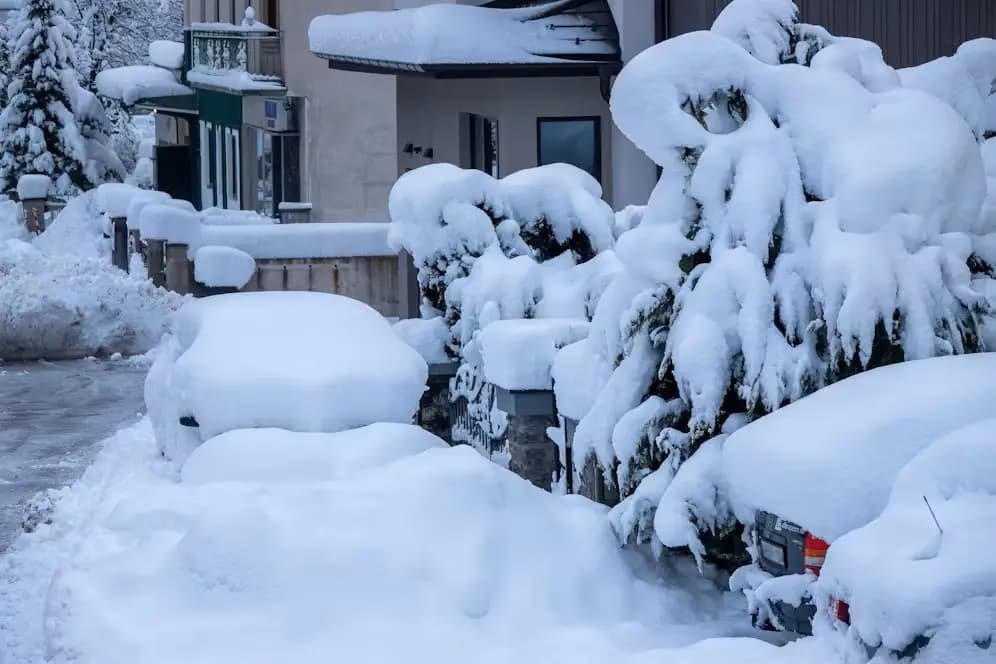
[235, 58]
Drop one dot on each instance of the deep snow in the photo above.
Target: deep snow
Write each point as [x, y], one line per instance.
[60, 297]
[399, 551]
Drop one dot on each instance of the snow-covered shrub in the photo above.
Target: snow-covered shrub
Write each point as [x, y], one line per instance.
[533, 244]
[805, 227]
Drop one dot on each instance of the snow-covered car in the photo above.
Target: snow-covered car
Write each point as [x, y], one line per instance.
[304, 362]
[920, 580]
[811, 472]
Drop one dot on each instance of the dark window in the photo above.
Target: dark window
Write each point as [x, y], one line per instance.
[484, 144]
[575, 141]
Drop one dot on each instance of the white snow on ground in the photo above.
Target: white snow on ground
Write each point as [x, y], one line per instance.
[902, 576]
[374, 545]
[61, 298]
[309, 362]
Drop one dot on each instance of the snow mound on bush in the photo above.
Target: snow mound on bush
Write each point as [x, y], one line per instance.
[309, 362]
[921, 581]
[59, 306]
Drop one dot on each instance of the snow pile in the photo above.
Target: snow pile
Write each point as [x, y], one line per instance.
[319, 240]
[918, 580]
[805, 228]
[518, 354]
[276, 455]
[831, 474]
[162, 221]
[166, 54]
[214, 216]
[307, 362]
[447, 33]
[33, 187]
[60, 306]
[428, 336]
[223, 267]
[134, 83]
[281, 546]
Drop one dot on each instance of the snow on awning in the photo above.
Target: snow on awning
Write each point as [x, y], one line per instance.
[137, 82]
[446, 37]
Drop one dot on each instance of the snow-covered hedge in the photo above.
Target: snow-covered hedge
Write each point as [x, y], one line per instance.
[535, 244]
[810, 222]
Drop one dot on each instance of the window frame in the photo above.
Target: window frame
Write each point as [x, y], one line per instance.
[597, 119]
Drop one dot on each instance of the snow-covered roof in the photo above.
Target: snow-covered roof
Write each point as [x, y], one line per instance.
[137, 82]
[447, 36]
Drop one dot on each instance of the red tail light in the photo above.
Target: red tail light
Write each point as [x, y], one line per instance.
[840, 610]
[814, 551]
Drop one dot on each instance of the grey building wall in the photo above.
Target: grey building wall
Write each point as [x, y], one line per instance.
[910, 32]
[430, 113]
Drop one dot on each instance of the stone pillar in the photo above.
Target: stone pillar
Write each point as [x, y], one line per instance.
[593, 484]
[119, 254]
[179, 269]
[533, 456]
[34, 214]
[409, 296]
[434, 411]
[156, 262]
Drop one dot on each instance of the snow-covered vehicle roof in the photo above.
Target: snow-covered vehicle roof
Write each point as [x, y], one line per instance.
[828, 461]
[442, 35]
[921, 581]
[307, 362]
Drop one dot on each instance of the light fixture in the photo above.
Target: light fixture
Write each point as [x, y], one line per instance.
[408, 149]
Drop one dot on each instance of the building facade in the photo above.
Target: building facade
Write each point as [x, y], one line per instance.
[276, 113]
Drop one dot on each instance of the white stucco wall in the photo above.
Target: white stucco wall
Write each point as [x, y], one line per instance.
[349, 133]
[429, 115]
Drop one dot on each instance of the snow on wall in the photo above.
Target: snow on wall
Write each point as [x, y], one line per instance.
[518, 354]
[223, 267]
[317, 240]
[33, 186]
[166, 54]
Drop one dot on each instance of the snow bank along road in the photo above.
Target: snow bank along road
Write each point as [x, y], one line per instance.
[51, 417]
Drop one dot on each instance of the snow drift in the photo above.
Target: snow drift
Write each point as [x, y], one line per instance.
[308, 362]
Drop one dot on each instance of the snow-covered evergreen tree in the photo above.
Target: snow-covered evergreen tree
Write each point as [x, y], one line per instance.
[805, 227]
[38, 127]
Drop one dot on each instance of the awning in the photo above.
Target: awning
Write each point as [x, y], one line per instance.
[137, 83]
[559, 36]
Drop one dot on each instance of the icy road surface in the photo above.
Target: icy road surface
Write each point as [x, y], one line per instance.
[52, 415]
